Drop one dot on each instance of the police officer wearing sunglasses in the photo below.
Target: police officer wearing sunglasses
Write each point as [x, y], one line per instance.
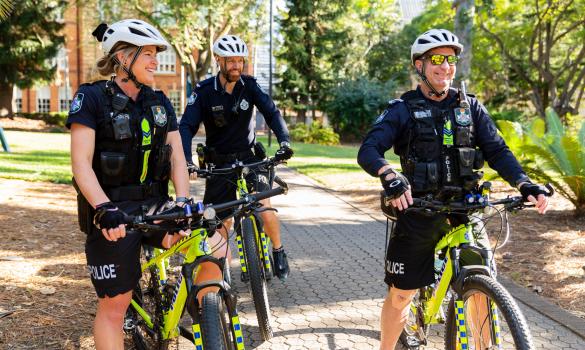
[442, 137]
[225, 104]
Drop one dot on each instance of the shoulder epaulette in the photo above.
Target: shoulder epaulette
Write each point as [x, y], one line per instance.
[205, 82]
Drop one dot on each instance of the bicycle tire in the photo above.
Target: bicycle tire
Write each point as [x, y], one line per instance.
[215, 329]
[149, 296]
[517, 330]
[258, 286]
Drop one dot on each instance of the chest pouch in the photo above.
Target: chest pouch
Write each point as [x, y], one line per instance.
[112, 168]
[219, 118]
[425, 177]
[465, 157]
[426, 140]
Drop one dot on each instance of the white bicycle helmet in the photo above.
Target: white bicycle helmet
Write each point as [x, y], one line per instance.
[230, 46]
[132, 31]
[432, 39]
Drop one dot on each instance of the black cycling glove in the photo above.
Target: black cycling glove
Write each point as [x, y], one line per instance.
[395, 187]
[108, 216]
[284, 152]
[532, 189]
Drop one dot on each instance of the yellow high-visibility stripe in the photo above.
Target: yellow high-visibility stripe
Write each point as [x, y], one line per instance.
[146, 141]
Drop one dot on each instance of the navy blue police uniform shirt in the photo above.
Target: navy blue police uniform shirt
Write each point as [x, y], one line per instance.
[87, 107]
[235, 133]
[391, 129]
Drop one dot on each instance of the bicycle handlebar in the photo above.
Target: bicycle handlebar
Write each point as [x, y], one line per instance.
[204, 173]
[198, 210]
[510, 203]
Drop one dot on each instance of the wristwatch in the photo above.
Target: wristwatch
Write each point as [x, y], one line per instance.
[285, 144]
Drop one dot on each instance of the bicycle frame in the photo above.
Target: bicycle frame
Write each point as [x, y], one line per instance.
[197, 252]
[452, 276]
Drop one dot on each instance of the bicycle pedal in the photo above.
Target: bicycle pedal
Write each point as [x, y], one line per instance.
[129, 325]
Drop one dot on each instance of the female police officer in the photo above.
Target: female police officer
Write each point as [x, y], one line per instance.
[124, 148]
[439, 135]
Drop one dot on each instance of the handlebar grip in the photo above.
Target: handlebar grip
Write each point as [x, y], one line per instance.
[270, 193]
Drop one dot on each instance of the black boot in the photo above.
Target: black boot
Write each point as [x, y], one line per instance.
[281, 268]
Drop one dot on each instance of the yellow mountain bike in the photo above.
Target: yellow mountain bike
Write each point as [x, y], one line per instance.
[480, 313]
[158, 303]
[253, 243]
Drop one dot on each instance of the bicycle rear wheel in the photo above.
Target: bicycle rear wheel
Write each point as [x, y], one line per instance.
[216, 328]
[488, 315]
[257, 279]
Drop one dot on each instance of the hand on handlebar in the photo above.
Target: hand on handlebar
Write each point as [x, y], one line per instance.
[284, 152]
[537, 195]
[397, 189]
[110, 220]
[192, 169]
[172, 237]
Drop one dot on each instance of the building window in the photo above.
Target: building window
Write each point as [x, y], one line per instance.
[64, 98]
[175, 98]
[43, 99]
[167, 61]
[62, 59]
[18, 99]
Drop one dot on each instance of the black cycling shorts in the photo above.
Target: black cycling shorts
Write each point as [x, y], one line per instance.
[411, 250]
[114, 267]
[221, 189]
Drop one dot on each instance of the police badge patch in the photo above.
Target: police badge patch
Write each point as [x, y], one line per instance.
[462, 116]
[191, 99]
[76, 103]
[160, 115]
[244, 105]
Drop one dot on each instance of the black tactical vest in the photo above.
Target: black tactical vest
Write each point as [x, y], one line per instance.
[441, 154]
[131, 158]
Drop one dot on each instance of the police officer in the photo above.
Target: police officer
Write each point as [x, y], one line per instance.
[441, 137]
[124, 149]
[224, 104]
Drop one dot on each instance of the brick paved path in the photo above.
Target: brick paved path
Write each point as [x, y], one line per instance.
[332, 298]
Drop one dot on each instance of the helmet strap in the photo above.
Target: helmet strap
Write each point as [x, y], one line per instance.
[423, 77]
[130, 75]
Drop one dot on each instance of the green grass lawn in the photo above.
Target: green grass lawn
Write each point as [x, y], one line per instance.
[36, 157]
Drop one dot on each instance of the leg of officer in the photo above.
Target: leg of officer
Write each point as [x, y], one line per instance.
[271, 224]
[210, 271]
[394, 316]
[109, 320]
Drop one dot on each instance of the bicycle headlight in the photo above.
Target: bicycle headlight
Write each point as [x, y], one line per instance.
[209, 213]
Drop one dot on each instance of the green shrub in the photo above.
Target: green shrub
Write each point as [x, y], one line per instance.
[355, 104]
[551, 153]
[52, 118]
[316, 133]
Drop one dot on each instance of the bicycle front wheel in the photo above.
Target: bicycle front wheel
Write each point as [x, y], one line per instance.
[257, 280]
[486, 318]
[214, 323]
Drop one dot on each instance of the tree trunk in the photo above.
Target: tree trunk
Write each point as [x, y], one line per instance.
[6, 100]
[464, 31]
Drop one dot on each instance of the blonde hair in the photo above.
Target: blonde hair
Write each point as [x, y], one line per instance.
[108, 64]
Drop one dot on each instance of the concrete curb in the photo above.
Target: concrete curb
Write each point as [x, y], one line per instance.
[532, 300]
[545, 307]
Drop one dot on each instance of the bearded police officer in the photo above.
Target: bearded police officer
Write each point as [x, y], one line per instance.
[442, 137]
[224, 104]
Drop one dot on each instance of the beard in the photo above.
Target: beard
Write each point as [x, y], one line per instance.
[232, 75]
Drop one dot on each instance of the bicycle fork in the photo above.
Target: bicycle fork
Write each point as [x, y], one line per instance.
[262, 246]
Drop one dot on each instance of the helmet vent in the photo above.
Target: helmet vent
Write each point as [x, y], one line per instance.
[435, 37]
[110, 31]
[137, 32]
[153, 33]
[423, 41]
[445, 36]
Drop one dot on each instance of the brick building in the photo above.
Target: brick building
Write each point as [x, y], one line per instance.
[76, 65]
